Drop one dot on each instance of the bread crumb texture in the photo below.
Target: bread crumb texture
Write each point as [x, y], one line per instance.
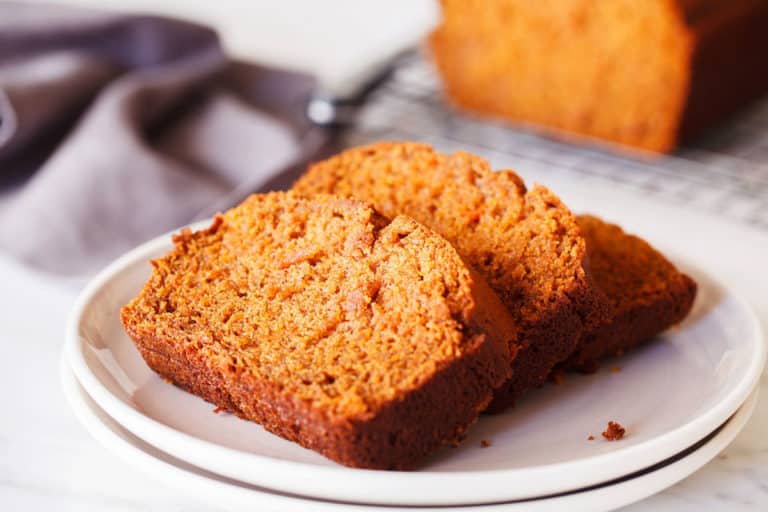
[324, 299]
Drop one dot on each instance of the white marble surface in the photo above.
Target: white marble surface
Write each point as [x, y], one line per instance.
[48, 461]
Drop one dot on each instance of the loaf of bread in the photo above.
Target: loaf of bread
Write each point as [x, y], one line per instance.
[646, 292]
[640, 73]
[365, 339]
[525, 243]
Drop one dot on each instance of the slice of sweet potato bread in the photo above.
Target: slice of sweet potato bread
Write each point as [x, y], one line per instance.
[646, 292]
[364, 339]
[526, 243]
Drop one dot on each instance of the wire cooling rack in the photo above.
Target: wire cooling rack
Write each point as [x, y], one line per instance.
[725, 171]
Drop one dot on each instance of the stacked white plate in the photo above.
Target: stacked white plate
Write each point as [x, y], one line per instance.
[682, 399]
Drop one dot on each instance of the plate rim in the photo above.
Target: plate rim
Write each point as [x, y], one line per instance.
[279, 474]
[128, 451]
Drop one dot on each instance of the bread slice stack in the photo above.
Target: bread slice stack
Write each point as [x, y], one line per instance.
[577, 288]
[373, 312]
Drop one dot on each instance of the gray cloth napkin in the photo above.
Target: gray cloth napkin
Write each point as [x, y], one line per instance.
[115, 128]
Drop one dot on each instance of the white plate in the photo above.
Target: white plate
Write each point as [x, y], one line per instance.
[232, 494]
[669, 395]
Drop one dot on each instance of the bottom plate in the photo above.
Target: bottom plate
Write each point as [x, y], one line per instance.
[233, 494]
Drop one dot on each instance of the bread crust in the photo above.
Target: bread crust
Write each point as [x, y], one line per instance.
[399, 436]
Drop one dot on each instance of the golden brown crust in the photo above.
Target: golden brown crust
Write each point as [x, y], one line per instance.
[646, 292]
[377, 351]
[525, 243]
[398, 437]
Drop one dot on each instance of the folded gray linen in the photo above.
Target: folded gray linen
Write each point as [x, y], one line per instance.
[115, 128]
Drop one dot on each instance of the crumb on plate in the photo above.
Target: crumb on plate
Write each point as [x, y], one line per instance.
[614, 432]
